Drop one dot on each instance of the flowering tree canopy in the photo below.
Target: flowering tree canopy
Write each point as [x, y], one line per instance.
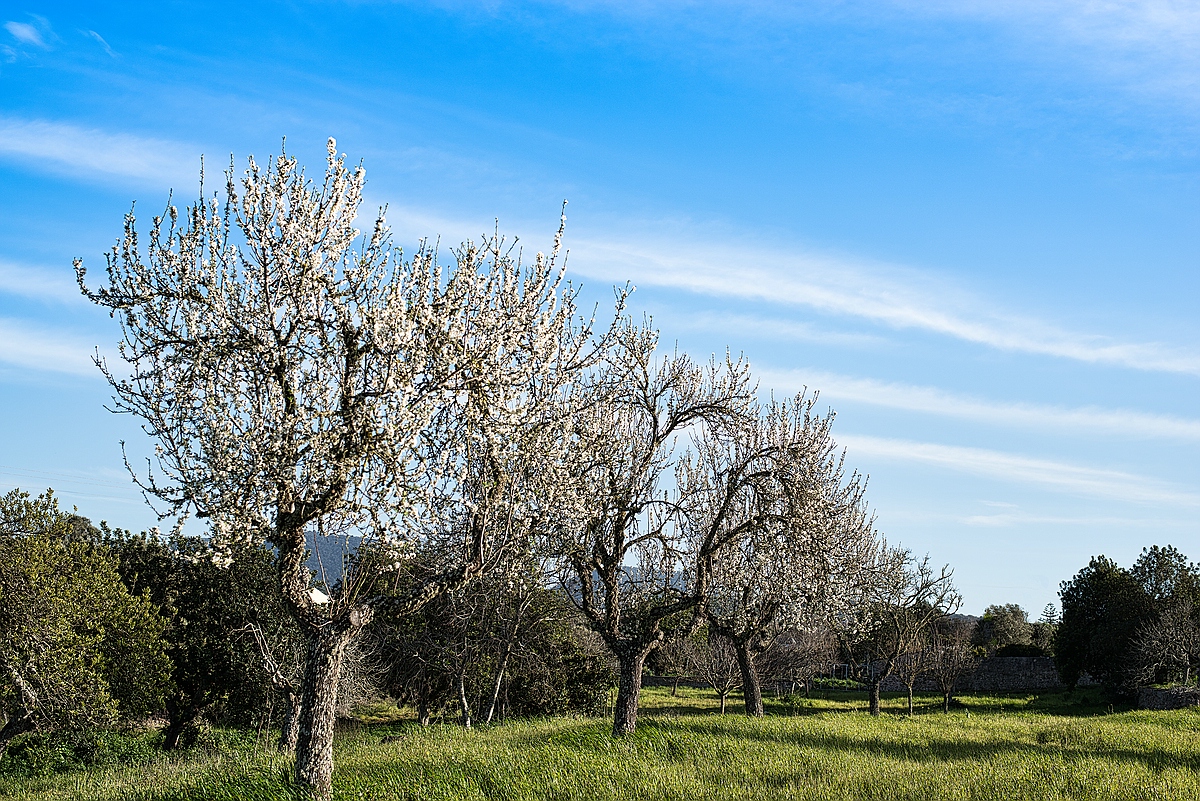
[301, 379]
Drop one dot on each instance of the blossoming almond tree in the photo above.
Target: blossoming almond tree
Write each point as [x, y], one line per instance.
[626, 560]
[888, 612]
[302, 380]
[798, 527]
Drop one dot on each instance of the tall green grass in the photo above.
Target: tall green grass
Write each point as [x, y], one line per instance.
[1007, 747]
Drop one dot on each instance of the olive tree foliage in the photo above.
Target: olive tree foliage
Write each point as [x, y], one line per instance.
[626, 557]
[1002, 627]
[796, 532]
[301, 380]
[77, 648]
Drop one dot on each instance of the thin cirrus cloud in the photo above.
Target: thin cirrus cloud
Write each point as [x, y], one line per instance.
[39, 283]
[893, 297]
[25, 33]
[1006, 519]
[931, 400]
[100, 39]
[85, 152]
[791, 330]
[1055, 476]
[1157, 42]
[26, 346]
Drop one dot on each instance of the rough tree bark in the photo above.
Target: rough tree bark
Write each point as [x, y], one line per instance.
[318, 709]
[751, 686]
[289, 729]
[629, 686]
[873, 688]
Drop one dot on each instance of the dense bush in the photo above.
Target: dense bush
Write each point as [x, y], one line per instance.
[504, 648]
[78, 649]
[207, 596]
[565, 678]
[45, 753]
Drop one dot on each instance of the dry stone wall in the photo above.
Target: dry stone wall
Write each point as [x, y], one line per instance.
[1172, 698]
[1000, 674]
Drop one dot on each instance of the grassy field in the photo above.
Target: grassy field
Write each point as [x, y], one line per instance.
[996, 747]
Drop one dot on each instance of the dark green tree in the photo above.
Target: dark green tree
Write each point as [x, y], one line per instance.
[208, 598]
[1103, 607]
[1167, 577]
[78, 649]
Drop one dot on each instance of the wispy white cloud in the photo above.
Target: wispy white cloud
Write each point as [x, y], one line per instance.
[1060, 476]
[767, 327]
[68, 148]
[1167, 30]
[892, 296]
[39, 283]
[896, 297]
[931, 400]
[27, 346]
[25, 33]
[100, 39]
[1025, 519]
[1141, 45]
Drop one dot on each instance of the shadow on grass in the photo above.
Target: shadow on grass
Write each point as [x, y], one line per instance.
[1078, 703]
[1068, 741]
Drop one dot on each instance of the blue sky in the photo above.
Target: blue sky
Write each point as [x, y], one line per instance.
[975, 227]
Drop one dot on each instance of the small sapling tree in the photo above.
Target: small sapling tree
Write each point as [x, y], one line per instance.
[950, 655]
[896, 601]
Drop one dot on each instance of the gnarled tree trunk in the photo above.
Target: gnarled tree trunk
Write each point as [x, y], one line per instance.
[751, 688]
[629, 686]
[18, 723]
[873, 688]
[318, 710]
[290, 728]
[180, 712]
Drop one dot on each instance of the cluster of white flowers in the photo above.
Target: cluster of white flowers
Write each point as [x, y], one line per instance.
[301, 379]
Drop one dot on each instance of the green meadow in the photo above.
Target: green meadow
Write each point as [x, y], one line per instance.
[1053, 746]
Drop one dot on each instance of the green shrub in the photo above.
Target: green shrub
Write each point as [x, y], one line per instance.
[46, 753]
